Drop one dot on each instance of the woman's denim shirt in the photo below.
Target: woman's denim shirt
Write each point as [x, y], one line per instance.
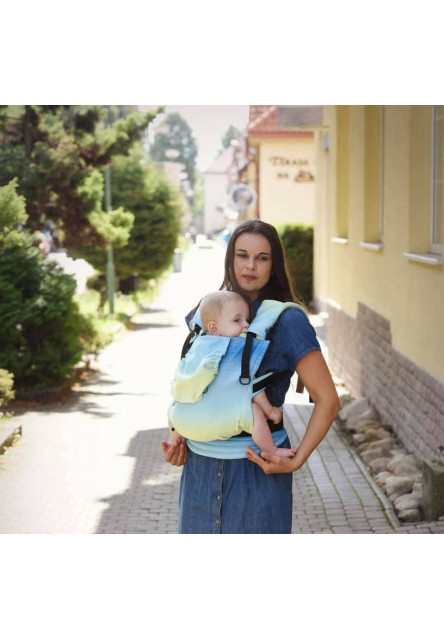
[291, 339]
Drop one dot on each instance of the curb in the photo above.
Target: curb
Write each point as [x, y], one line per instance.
[385, 502]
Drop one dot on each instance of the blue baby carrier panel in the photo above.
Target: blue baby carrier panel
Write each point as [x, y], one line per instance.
[198, 369]
[211, 400]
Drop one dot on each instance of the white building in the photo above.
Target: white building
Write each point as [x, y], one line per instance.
[219, 178]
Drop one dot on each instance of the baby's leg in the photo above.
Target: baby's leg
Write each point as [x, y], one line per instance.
[262, 435]
[272, 413]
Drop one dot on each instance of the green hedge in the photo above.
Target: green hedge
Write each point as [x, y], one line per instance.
[40, 324]
[298, 244]
[42, 332]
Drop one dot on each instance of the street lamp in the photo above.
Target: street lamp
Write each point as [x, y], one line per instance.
[109, 250]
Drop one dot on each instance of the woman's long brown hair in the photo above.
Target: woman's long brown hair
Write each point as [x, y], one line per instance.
[279, 286]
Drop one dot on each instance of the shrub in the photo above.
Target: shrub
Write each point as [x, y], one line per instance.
[93, 336]
[39, 320]
[42, 332]
[6, 388]
[298, 245]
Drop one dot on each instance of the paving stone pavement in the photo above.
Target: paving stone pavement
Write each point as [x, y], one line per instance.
[93, 464]
[334, 492]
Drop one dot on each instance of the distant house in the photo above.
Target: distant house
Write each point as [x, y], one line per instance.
[219, 179]
[282, 161]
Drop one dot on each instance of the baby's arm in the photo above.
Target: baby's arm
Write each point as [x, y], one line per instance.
[272, 413]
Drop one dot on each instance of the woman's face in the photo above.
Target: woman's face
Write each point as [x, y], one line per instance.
[252, 263]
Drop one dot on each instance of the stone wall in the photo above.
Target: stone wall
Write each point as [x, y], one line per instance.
[344, 349]
[406, 397]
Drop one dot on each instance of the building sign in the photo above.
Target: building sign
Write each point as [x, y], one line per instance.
[291, 169]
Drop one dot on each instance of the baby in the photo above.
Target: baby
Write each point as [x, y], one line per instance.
[225, 313]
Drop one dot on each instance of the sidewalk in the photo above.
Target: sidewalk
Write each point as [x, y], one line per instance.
[94, 465]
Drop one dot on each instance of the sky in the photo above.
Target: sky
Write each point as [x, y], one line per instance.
[209, 123]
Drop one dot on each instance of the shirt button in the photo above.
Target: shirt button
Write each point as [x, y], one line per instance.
[217, 521]
[218, 497]
[219, 473]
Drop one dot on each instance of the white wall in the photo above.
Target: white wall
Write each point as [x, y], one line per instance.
[215, 195]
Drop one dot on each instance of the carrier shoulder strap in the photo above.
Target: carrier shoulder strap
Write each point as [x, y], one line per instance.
[189, 339]
[278, 374]
[245, 377]
[192, 334]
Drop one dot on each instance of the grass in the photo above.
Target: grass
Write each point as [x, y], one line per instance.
[125, 305]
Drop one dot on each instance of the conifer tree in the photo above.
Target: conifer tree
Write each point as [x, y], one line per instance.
[58, 154]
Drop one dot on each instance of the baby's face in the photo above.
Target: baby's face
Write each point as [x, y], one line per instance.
[234, 319]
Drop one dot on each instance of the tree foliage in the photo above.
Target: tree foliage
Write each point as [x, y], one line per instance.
[232, 133]
[12, 215]
[139, 186]
[176, 133]
[57, 153]
[157, 209]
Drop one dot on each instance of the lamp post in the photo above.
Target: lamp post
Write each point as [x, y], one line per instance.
[109, 249]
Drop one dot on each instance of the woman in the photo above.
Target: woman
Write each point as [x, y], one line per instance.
[221, 491]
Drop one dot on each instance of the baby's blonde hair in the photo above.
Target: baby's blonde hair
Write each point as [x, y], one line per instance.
[212, 305]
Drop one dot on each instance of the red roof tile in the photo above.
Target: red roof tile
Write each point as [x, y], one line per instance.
[266, 121]
[256, 110]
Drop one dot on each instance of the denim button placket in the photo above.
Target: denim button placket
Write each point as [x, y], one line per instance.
[217, 502]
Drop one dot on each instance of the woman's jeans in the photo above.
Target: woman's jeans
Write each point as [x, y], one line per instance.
[233, 496]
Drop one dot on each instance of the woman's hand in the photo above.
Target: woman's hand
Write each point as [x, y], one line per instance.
[270, 463]
[176, 453]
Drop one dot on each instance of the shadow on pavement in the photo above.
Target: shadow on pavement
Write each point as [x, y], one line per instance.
[74, 404]
[150, 504]
[148, 325]
[81, 399]
[153, 310]
[112, 393]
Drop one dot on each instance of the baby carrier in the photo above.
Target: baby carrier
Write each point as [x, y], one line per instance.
[214, 383]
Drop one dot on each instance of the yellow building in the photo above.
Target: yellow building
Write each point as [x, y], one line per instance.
[378, 266]
[282, 166]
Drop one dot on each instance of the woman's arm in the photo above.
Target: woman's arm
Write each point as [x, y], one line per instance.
[313, 370]
[175, 453]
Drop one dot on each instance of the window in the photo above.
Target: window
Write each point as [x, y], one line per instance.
[342, 171]
[374, 171]
[437, 221]
[426, 215]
